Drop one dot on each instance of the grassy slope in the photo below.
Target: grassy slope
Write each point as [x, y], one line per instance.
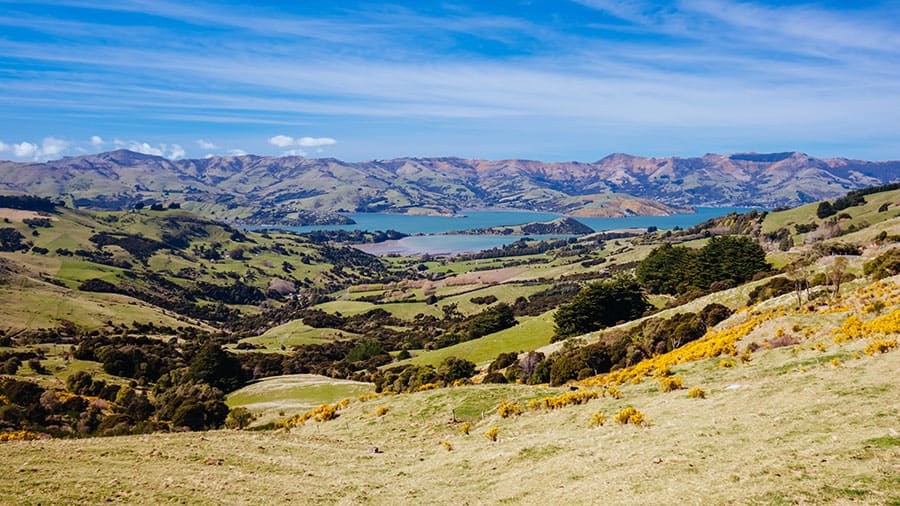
[789, 427]
[29, 302]
[860, 215]
[271, 398]
[531, 332]
[296, 333]
[796, 430]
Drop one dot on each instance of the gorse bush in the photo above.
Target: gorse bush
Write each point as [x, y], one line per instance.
[492, 433]
[323, 413]
[881, 346]
[507, 409]
[632, 416]
[21, 435]
[597, 419]
[697, 393]
[669, 384]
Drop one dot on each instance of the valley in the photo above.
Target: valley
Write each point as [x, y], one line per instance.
[144, 322]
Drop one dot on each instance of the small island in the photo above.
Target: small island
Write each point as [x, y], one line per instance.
[559, 226]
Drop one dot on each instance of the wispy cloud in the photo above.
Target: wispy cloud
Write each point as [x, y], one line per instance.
[170, 151]
[205, 144]
[798, 72]
[285, 141]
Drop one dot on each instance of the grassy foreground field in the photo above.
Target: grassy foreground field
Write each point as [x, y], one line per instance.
[787, 428]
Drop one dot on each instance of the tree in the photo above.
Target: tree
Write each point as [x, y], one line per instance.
[825, 210]
[664, 270]
[796, 272]
[600, 305]
[836, 274]
[452, 369]
[216, 367]
[491, 320]
[732, 258]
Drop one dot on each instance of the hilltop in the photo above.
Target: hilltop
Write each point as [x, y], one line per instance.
[298, 191]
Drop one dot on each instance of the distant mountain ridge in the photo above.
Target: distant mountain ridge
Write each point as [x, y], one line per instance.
[294, 190]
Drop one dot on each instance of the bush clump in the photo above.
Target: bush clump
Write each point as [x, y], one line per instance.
[632, 416]
[508, 409]
[670, 384]
[697, 393]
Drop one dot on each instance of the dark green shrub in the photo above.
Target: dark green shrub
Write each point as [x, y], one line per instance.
[600, 305]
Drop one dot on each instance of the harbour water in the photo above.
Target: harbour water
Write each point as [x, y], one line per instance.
[423, 228]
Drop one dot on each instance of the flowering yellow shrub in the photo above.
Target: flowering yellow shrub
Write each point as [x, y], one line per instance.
[22, 435]
[713, 344]
[447, 445]
[381, 411]
[880, 346]
[508, 409]
[697, 393]
[534, 405]
[323, 413]
[343, 404]
[854, 328]
[597, 419]
[670, 384]
[725, 364]
[492, 434]
[580, 396]
[369, 397]
[613, 392]
[835, 362]
[464, 428]
[426, 386]
[632, 416]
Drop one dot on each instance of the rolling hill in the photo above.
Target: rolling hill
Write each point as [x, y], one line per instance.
[778, 402]
[297, 191]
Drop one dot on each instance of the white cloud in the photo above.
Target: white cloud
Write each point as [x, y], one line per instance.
[50, 147]
[309, 142]
[53, 146]
[205, 144]
[236, 152]
[96, 141]
[170, 151]
[25, 150]
[176, 152]
[138, 147]
[282, 141]
[286, 141]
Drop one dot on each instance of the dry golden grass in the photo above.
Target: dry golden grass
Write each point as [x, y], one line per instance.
[767, 433]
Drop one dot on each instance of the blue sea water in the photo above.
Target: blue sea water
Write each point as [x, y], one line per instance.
[472, 219]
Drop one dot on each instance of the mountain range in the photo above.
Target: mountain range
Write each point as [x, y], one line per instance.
[297, 191]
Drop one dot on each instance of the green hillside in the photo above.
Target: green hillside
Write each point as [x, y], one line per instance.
[763, 368]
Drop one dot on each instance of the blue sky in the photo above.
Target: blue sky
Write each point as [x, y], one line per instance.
[549, 80]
